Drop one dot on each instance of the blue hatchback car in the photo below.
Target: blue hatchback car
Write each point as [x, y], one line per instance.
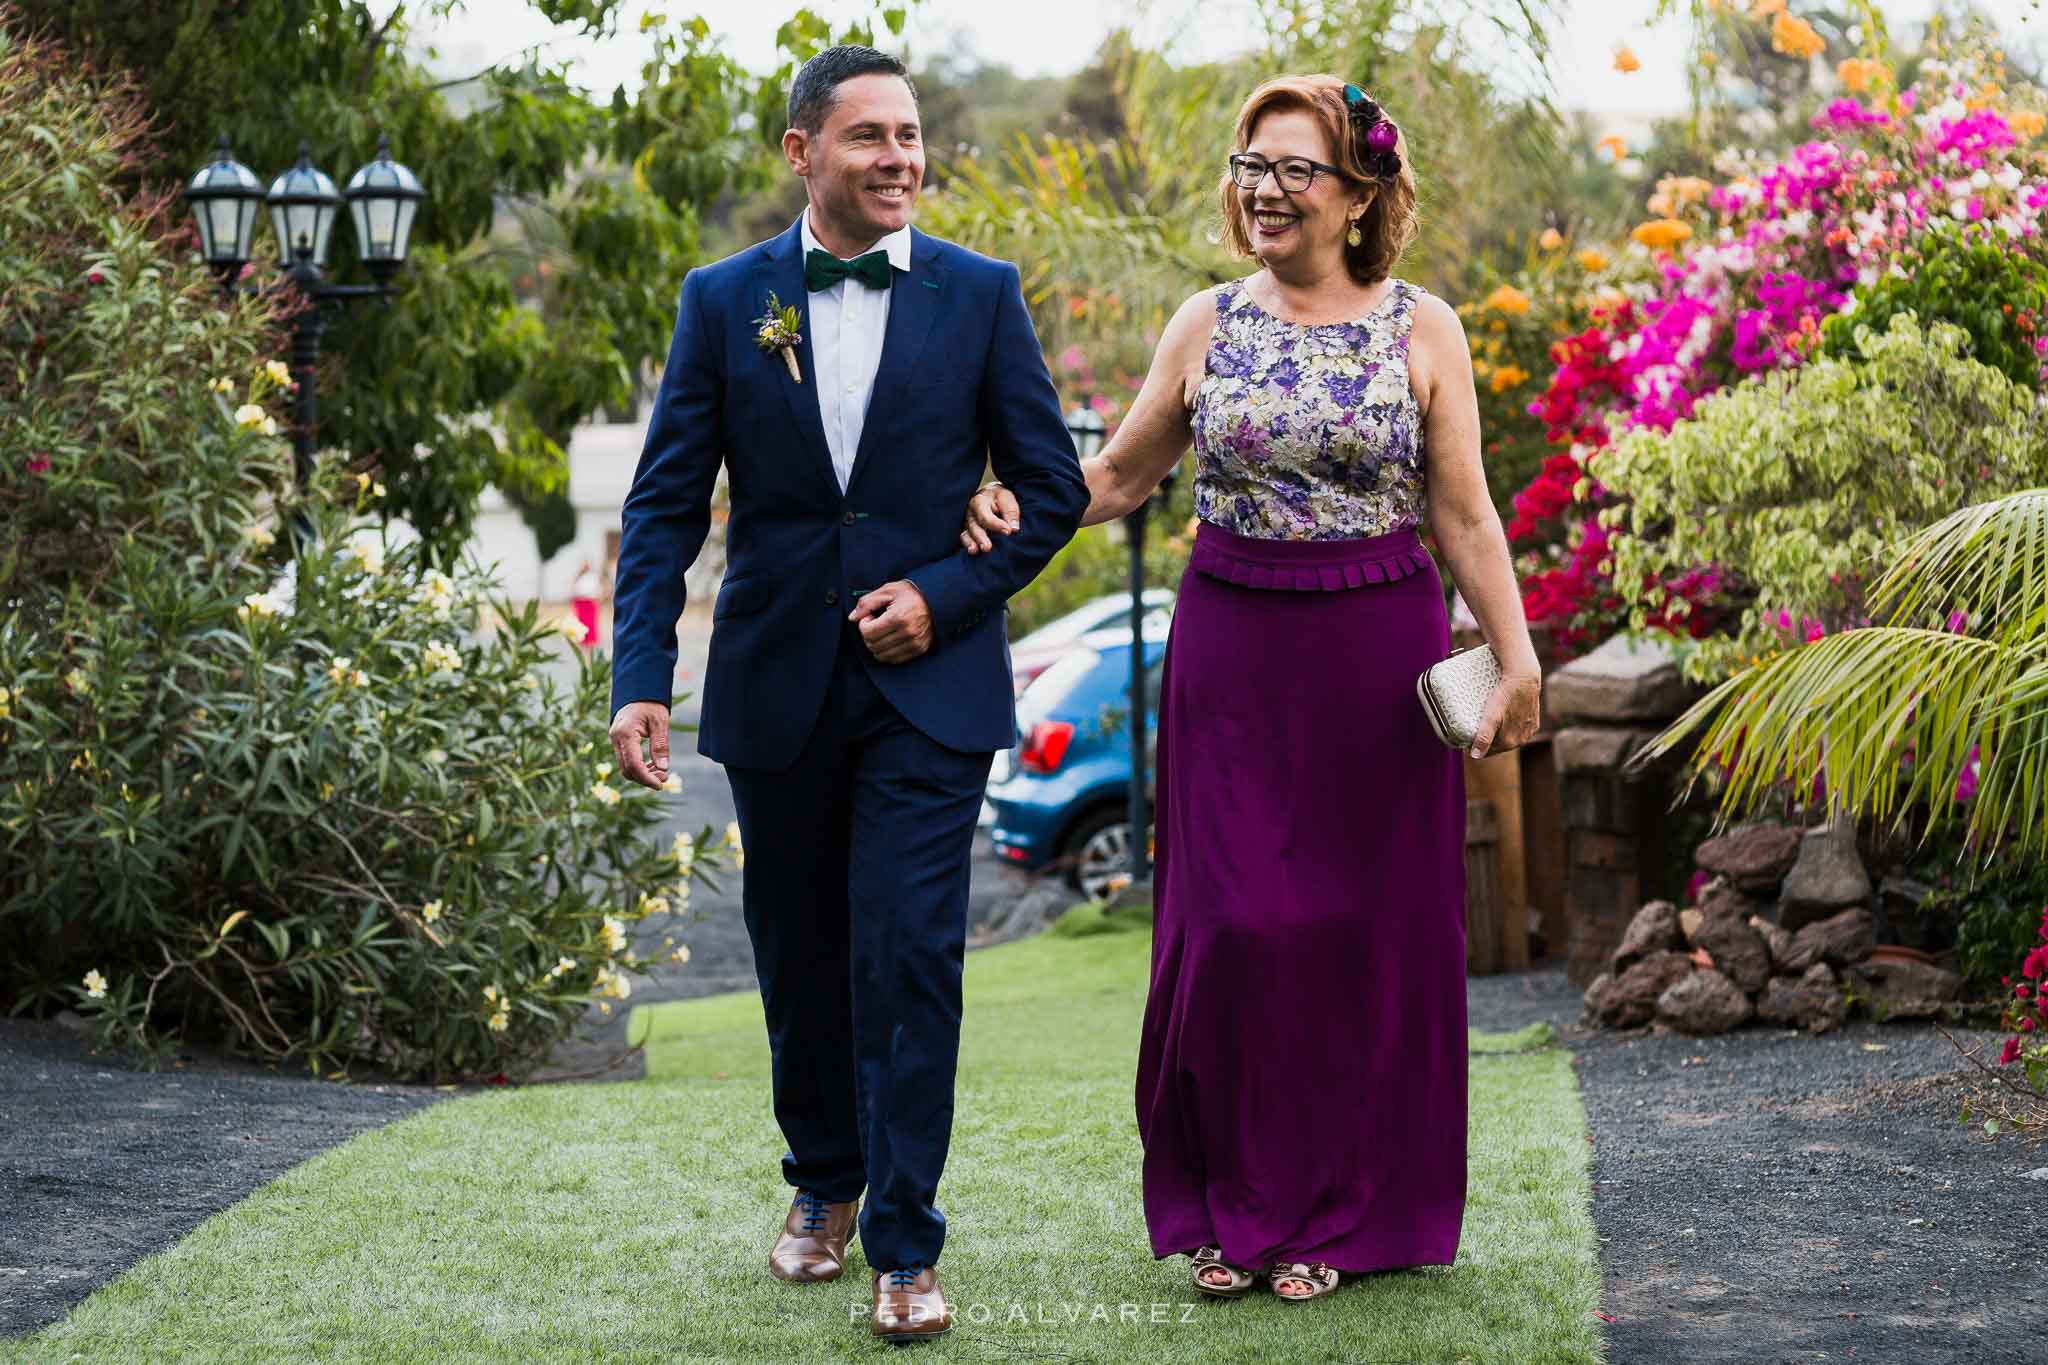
[1061, 797]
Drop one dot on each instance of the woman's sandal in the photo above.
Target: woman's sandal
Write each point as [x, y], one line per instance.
[1211, 1258]
[1319, 1278]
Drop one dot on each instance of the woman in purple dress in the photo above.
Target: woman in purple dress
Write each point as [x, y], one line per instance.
[1301, 1084]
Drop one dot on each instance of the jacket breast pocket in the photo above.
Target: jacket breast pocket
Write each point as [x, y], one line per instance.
[740, 597]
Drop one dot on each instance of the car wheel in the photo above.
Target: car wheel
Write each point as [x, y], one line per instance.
[1099, 851]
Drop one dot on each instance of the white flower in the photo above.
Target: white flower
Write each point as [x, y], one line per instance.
[614, 933]
[358, 678]
[612, 983]
[1958, 210]
[604, 770]
[1980, 178]
[563, 966]
[251, 415]
[673, 784]
[79, 683]
[270, 426]
[377, 490]
[95, 985]
[501, 1020]
[279, 372]
[366, 550]
[571, 628]
[2008, 178]
[440, 658]
[492, 994]
[681, 954]
[604, 794]
[435, 756]
[338, 670]
[653, 905]
[223, 385]
[259, 536]
[431, 911]
[684, 851]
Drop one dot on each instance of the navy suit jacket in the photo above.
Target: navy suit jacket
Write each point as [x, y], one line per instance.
[962, 378]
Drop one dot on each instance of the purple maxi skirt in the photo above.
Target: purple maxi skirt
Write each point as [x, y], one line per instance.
[1302, 1070]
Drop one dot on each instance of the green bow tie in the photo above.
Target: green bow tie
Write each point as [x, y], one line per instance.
[822, 270]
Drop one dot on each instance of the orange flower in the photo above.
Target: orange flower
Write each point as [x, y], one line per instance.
[1858, 74]
[1614, 144]
[1662, 234]
[1507, 377]
[1508, 299]
[1592, 260]
[1625, 60]
[1551, 239]
[1763, 9]
[2025, 123]
[1795, 37]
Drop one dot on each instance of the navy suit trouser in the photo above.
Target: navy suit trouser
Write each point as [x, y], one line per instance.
[855, 897]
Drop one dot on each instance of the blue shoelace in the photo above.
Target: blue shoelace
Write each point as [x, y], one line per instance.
[814, 1211]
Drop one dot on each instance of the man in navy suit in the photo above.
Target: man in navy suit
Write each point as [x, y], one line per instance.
[859, 678]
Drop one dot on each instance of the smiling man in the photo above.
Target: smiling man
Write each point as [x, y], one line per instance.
[858, 682]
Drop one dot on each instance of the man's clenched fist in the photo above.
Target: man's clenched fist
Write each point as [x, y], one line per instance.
[894, 622]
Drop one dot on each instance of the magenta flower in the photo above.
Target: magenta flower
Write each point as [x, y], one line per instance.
[2010, 1052]
[39, 463]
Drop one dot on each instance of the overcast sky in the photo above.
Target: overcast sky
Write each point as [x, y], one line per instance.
[1037, 37]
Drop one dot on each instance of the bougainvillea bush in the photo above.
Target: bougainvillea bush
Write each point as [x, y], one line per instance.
[291, 795]
[1737, 278]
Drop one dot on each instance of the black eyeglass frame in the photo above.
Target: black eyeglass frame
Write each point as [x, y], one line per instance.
[1315, 168]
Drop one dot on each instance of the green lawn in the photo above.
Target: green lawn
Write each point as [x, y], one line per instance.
[631, 1222]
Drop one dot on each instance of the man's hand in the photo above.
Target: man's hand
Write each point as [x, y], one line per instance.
[992, 511]
[638, 720]
[894, 622]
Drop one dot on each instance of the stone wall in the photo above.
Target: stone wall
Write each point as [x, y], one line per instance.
[1624, 842]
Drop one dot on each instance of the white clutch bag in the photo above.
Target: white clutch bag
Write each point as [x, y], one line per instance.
[1454, 693]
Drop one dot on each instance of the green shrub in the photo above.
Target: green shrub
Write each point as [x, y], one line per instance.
[1967, 277]
[289, 795]
[1795, 486]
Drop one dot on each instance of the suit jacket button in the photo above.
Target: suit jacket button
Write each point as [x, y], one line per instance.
[848, 518]
[832, 599]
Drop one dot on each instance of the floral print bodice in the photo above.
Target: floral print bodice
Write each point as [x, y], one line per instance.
[1308, 431]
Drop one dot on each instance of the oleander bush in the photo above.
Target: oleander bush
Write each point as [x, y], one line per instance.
[265, 776]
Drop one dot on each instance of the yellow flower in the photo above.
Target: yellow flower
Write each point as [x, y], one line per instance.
[681, 954]
[1592, 260]
[673, 784]
[78, 682]
[362, 483]
[5, 697]
[366, 552]
[1625, 60]
[223, 385]
[604, 1007]
[1551, 239]
[259, 536]
[279, 372]
[2025, 123]
[501, 1019]
[1763, 9]
[1508, 299]
[1796, 37]
[653, 905]
[570, 628]
[684, 851]
[612, 983]
[605, 795]
[250, 415]
[1507, 376]
[766, 336]
[377, 490]
[613, 931]
[326, 791]
[95, 985]
[1662, 234]
[338, 670]
[269, 426]
[431, 911]
[604, 770]
[492, 994]
[1614, 144]
[440, 658]
[563, 966]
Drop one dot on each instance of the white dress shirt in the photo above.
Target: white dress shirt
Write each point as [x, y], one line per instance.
[847, 324]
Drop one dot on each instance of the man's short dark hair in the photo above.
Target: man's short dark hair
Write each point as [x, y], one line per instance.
[816, 88]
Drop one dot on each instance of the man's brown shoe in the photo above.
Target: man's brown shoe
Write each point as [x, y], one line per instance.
[812, 1247]
[909, 1306]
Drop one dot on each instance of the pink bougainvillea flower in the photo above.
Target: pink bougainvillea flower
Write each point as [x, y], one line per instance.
[39, 463]
[2010, 1052]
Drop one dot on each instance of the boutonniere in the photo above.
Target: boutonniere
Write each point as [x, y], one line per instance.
[776, 330]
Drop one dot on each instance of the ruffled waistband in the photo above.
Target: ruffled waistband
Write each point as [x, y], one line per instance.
[1306, 565]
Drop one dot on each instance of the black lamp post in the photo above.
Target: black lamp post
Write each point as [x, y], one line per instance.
[383, 198]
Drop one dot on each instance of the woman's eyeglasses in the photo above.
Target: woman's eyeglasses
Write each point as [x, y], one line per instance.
[1295, 173]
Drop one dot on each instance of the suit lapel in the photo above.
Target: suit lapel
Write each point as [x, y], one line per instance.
[781, 271]
[915, 296]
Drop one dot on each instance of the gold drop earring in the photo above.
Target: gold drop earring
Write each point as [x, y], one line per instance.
[1353, 236]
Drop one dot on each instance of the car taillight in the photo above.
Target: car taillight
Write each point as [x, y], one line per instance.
[1045, 746]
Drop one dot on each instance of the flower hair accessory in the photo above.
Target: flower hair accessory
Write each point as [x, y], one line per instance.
[1375, 131]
